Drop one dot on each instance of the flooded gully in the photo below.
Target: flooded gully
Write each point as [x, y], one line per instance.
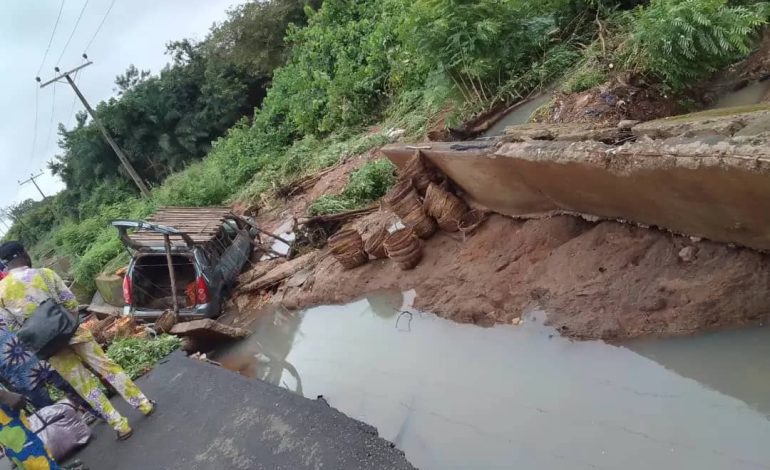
[461, 396]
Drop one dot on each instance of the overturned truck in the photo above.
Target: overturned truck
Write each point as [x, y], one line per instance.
[704, 175]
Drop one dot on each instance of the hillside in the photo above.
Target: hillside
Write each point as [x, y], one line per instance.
[284, 88]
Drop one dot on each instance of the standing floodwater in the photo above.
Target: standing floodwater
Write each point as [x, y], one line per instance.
[519, 115]
[460, 396]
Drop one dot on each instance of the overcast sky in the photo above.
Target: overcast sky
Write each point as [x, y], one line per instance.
[135, 32]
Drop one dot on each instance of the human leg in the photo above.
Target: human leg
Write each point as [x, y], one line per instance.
[93, 355]
[55, 379]
[70, 366]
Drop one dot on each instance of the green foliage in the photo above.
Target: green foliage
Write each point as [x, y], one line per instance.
[681, 41]
[584, 78]
[104, 249]
[253, 34]
[367, 184]
[338, 71]
[283, 88]
[167, 121]
[137, 356]
[481, 44]
[197, 185]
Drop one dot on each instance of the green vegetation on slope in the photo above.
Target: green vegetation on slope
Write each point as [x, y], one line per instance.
[367, 184]
[137, 356]
[283, 88]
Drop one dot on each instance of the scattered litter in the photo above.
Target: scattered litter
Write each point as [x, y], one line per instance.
[202, 357]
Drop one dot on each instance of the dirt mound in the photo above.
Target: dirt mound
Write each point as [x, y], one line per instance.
[605, 280]
[757, 65]
[609, 104]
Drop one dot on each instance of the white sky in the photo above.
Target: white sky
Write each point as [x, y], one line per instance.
[135, 32]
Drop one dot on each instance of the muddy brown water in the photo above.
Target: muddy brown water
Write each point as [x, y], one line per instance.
[461, 396]
[519, 115]
[754, 93]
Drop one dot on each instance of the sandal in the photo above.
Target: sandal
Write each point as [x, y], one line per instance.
[154, 406]
[122, 436]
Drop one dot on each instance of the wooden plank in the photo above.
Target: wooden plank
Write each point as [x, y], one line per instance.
[201, 224]
[193, 234]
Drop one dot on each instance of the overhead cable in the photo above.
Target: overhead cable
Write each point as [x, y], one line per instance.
[99, 28]
[75, 28]
[50, 40]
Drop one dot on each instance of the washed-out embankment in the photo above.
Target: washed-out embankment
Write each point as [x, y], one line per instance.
[703, 175]
[702, 181]
[653, 229]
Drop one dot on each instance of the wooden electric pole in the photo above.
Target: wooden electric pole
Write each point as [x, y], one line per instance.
[9, 214]
[31, 179]
[121, 156]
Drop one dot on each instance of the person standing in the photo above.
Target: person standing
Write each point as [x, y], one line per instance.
[22, 372]
[22, 446]
[23, 289]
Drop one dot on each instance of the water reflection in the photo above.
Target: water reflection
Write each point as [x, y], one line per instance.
[736, 363]
[460, 396]
[263, 355]
[519, 115]
[754, 93]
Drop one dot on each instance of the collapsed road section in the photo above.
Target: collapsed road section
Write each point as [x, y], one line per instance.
[703, 175]
[210, 418]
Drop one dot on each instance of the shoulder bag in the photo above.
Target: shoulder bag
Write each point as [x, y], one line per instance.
[50, 327]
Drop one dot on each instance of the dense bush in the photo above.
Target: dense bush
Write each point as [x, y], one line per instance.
[481, 44]
[339, 68]
[680, 41]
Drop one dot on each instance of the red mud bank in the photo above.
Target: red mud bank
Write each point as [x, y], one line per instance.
[606, 280]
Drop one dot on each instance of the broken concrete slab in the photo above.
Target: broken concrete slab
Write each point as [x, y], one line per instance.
[708, 186]
[725, 122]
[208, 329]
[569, 132]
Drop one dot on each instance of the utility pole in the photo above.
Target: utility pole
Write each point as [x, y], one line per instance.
[121, 156]
[9, 214]
[31, 179]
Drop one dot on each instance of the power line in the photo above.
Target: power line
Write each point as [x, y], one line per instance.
[50, 40]
[118, 151]
[77, 22]
[99, 28]
[34, 130]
